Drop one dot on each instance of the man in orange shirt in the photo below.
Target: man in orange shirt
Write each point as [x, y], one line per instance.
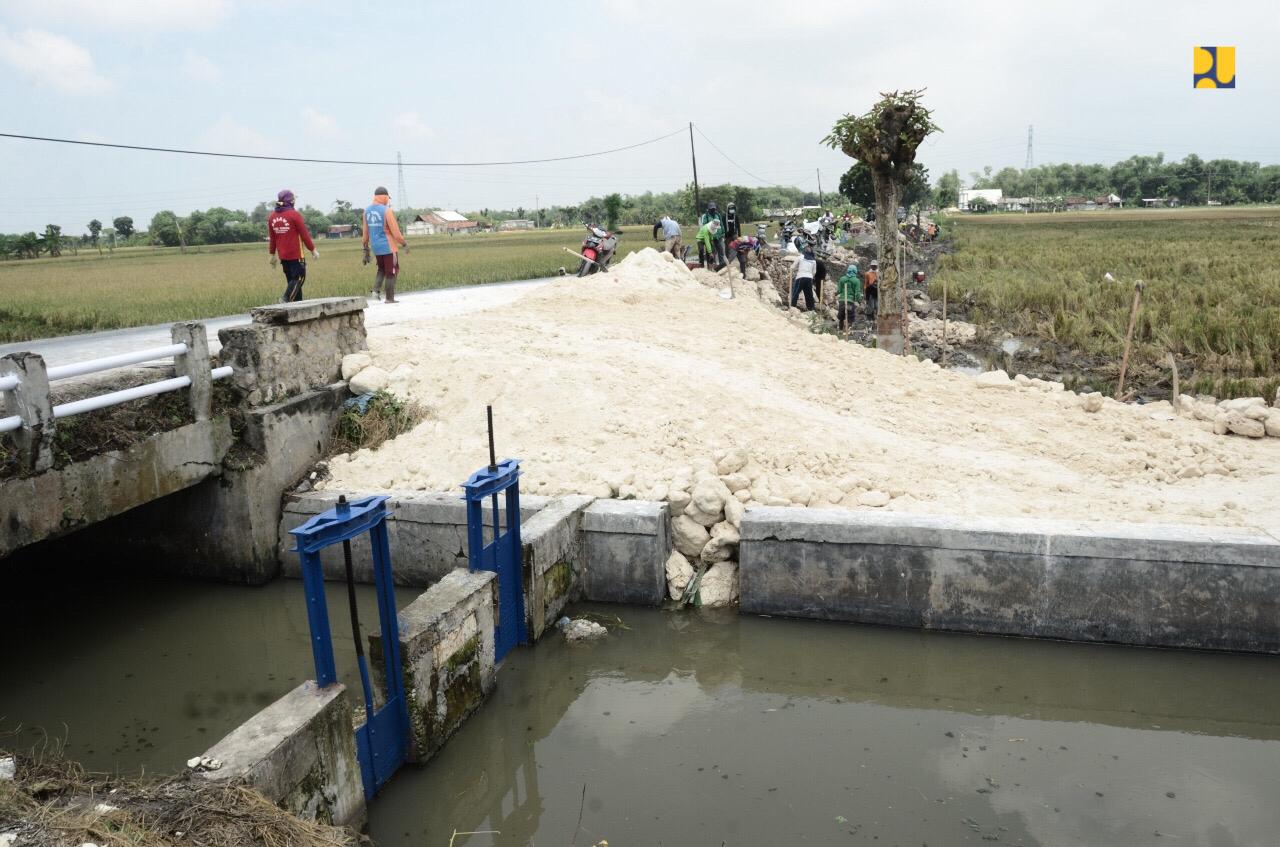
[286, 234]
[382, 233]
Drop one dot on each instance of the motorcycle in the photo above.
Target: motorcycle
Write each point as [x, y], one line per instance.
[597, 249]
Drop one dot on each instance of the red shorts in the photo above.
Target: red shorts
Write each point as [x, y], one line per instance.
[388, 264]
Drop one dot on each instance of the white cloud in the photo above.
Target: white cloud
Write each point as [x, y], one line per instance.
[200, 67]
[410, 125]
[52, 60]
[227, 136]
[131, 14]
[319, 123]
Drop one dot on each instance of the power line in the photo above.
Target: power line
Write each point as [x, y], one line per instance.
[731, 161]
[219, 155]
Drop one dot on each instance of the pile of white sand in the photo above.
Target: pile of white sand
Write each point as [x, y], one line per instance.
[637, 382]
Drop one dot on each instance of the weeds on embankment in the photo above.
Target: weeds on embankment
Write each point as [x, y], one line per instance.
[369, 423]
[1212, 294]
[139, 286]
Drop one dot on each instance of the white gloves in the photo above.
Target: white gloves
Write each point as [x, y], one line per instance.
[315, 254]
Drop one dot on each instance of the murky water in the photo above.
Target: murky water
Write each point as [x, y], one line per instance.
[703, 729]
[139, 674]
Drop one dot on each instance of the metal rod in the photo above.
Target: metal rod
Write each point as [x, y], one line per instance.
[106, 363]
[493, 456]
[115, 398]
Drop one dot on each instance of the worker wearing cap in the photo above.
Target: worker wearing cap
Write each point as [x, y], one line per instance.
[286, 235]
[382, 235]
[871, 289]
[717, 237]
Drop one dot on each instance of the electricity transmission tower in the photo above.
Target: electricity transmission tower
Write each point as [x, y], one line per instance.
[402, 200]
[1030, 160]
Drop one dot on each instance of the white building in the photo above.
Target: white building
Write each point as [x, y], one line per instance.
[991, 195]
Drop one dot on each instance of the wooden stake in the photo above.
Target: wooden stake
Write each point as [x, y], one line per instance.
[1128, 336]
[944, 321]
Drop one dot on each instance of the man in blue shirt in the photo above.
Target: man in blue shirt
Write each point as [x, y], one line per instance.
[670, 236]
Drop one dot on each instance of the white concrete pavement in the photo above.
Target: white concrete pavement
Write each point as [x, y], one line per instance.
[410, 305]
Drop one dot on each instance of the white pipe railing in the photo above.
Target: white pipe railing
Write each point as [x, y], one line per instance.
[115, 398]
[8, 383]
[120, 360]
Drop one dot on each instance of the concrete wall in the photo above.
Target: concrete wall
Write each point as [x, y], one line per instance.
[626, 544]
[1144, 584]
[228, 528]
[62, 500]
[428, 534]
[553, 561]
[446, 655]
[292, 348]
[301, 753]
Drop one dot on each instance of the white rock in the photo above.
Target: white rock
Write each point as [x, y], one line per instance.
[993, 379]
[741, 496]
[1272, 423]
[369, 380]
[1239, 404]
[719, 586]
[733, 512]
[353, 363]
[776, 501]
[1257, 413]
[193, 762]
[1021, 379]
[717, 550]
[1091, 402]
[726, 531]
[708, 496]
[628, 492]
[735, 482]
[875, 498]
[706, 519]
[733, 461]
[8, 768]
[581, 629]
[679, 572]
[800, 493]
[688, 536]
[1220, 424]
[1240, 425]
[679, 500]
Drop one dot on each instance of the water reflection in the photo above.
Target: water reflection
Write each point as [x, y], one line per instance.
[697, 729]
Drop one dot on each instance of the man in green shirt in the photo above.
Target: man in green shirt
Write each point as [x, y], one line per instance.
[707, 235]
[717, 241]
[848, 293]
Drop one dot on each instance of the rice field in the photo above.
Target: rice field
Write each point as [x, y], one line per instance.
[138, 286]
[1211, 297]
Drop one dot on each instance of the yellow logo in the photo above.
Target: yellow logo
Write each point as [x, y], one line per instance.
[1213, 67]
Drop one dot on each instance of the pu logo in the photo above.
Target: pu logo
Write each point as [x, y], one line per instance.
[1213, 67]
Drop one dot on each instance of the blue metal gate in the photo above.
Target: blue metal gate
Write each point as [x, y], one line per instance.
[502, 554]
[382, 743]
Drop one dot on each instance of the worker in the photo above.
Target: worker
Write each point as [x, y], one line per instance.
[787, 232]
[717, 242]
[808, 271]
[871, 289]
[762, 233]
[382, 234]
[706, 243]
[670, 235]
[732, 226]
[286, 234]
[848, 293]
[742, 247]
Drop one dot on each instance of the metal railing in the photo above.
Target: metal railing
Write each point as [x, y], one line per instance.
[24, 387]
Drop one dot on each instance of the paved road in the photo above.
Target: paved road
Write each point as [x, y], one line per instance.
[411, 305]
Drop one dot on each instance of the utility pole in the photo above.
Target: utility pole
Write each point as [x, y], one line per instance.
[697, 201]
[1030, 129]
[403, 199]
[1208, 192]
[819, 173]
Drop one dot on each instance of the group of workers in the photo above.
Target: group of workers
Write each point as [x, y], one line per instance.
[287, 235]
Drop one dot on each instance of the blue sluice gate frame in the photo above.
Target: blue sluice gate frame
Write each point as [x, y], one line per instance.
[382, 743]
[502, 554]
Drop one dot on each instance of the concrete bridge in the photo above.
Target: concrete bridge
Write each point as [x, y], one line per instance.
[231, 432]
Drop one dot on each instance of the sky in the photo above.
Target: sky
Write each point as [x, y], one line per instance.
[466, 82]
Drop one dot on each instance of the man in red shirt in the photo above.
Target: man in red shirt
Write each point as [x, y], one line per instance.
[287, 233]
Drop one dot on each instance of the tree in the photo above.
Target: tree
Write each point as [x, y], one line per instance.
[123, 226]
[27, 245]
[165, 230]
[612, 206]
[947, 193]
[317, 222]
[856, 187]
[52, 241]
[981, 205]
[95, 232]
[885, 139]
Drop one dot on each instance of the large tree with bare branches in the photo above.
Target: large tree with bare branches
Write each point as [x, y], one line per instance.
[885, 139]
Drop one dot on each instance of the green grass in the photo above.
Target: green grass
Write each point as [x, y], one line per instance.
[1212, 293]
[137, 286]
